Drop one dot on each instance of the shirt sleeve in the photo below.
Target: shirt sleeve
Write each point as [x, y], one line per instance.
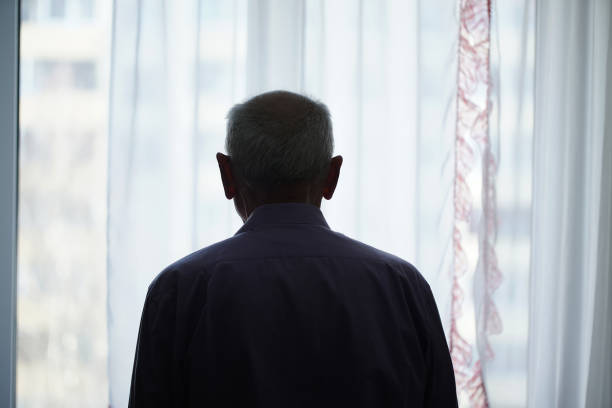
[441, 390]
[152, 380]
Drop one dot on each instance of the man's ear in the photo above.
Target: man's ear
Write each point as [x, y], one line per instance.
[332, 177]
[227, 175]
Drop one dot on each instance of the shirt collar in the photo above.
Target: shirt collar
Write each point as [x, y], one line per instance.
[283, 213]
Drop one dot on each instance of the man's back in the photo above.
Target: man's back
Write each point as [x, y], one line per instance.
[288, 313]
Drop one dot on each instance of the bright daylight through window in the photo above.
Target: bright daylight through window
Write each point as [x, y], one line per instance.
[62, 342]
[387, 71]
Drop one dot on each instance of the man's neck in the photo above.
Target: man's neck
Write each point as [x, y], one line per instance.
[304, 195]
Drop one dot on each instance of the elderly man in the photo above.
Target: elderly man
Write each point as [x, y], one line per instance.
[288, 313]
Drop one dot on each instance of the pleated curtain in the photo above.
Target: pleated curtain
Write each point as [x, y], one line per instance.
[448, 115]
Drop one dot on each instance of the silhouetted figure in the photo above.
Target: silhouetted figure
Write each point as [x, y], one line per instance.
[288, 313]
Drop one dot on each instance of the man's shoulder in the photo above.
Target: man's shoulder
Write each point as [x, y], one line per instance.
[252, 246]
[364, 251]
[194, 266]
[208, 255]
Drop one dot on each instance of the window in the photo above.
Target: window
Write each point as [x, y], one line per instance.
[84, 75]
[57, 8]
[62, 343]
[28, 10]
[86, 9]
[62, 356]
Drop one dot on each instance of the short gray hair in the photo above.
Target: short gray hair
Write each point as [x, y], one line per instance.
[279, 138]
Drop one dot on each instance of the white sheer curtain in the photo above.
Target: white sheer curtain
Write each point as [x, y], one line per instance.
[570, 330]
[389, 71]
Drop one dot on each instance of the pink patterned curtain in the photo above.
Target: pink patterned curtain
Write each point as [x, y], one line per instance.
[474, 150]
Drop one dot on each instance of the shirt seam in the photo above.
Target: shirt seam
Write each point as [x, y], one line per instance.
[304, 256]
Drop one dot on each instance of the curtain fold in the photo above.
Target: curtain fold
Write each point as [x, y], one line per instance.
[569, 332]
[599, 387]
[150, 193]
[388, 70]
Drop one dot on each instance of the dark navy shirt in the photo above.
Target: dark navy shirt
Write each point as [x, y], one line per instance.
[288, 313]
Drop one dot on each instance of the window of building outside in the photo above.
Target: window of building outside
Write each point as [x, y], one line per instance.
[64, 66]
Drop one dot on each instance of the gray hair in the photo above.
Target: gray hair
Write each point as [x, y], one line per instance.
[279, 138]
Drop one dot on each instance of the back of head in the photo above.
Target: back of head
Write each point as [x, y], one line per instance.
[279, 138]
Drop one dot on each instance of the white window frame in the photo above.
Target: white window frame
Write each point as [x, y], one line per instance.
[9, 80]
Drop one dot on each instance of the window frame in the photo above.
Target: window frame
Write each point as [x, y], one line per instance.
[9, 141]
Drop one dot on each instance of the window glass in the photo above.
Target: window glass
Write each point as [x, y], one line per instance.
[28, 10]
[84, 75]
[86, 9]
[61, 318]
[57, 8]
